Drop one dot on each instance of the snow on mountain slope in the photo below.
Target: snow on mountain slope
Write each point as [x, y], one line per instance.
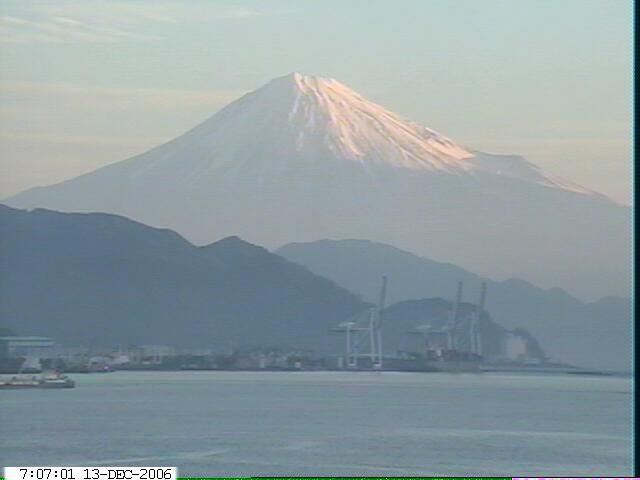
[303, 119]
[300, 115]
[304, 158]
[308, 118]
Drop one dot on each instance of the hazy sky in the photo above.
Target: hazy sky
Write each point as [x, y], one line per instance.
[87, 83]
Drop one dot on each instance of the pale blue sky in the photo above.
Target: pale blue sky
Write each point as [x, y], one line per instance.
[87, 83]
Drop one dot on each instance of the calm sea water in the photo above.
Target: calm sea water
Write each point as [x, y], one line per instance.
[299, 423]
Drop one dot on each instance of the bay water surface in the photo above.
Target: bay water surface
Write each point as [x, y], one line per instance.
[326, 423]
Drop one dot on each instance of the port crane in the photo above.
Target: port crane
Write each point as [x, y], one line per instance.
[460, 334]
[475, 326]
[363, 334]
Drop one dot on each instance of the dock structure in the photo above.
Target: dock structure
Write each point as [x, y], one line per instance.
[455, 345]
[363, 335]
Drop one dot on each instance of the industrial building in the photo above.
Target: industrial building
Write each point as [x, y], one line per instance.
[27, 347]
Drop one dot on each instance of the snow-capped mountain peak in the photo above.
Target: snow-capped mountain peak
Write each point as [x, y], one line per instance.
[307, 116]
[303, 158]
[303, 118]
[358, 129]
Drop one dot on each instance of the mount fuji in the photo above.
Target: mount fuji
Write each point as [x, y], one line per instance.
[304, 158]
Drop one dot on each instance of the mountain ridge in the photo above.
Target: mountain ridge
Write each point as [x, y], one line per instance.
[571, 330]
[292, 161]
[105, 278]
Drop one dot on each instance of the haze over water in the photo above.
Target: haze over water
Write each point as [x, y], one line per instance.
[243, 423]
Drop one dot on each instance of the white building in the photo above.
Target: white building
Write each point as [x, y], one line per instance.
[155, 354]
[29, 347]
[515, 347]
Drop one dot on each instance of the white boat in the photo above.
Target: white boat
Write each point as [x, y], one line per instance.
[55, 379]
[47, 380]
[20, 382]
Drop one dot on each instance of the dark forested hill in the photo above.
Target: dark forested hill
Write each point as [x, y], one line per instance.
[105, 280]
